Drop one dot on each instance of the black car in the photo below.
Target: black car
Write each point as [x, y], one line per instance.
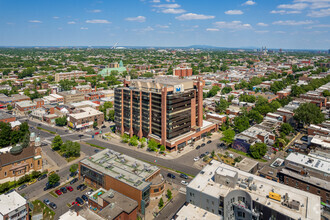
[84, 197]
[12, 190]
[64, 190]
[80, 201]
[203, 144]
[83, 187]
[198, 147]
[207, 153]
[170, 175]
[209, 142]
[80, 135]
[96, 150]
[52, 205]
[202, 155]
[103, 126]
[73, 174]
[74, 181]
[43, 176]
[184, 176]
[22, 187]
[49, 186]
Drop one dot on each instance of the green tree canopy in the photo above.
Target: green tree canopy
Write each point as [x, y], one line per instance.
[57, 142]
[73, 168]
[221, 106]
[61, 121]
[308, 113]
[53, 179]
[258, 150]
[241, 123]
[228, 136]
[286, 128]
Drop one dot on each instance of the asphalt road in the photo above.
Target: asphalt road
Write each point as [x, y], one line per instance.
[172, 208]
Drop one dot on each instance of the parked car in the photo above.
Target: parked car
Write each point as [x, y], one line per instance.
[73, 181]
[170, 175]
[69, 188]
[203, 144]
[46, 201]
[304, 138]
[196, 159]
[84, 197]
[103, 126]
[83, 187]
[89, 192]
[96, 133]
[10, 191]
[58, 192]
[184, 176]
[32, 181]
[53, 205]
[43, 176]
[73, 174]
[64, 190]
[184, 183]
[207, 153]
[209, 142]
[51, 173]
[79, 201]
[80, 135]
[22, 187]
[202, 155]
[198, 147]
[96, 150]
[78, 187]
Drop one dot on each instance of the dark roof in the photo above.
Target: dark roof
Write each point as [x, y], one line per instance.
[4, 115]
[8, 158]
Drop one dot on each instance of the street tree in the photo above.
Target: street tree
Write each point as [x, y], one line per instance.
[286, 128]
[53, 179]
[73, 168]
[258, 150]
[308, 113]
[228, 136]
[57, 142]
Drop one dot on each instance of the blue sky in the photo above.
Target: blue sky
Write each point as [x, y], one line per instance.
[287, 24]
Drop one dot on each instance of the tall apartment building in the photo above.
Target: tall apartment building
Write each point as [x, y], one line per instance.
[69, 75]
[234, 194]
[166, 109]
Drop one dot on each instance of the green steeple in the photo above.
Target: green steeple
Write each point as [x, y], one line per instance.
[121, 64]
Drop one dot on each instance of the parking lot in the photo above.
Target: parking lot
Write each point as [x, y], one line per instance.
[63, 200]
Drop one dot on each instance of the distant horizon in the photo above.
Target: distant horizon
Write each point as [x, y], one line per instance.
[290, 24]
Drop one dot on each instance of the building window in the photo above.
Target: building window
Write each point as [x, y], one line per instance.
[31, 165]
[207, 200]
[307, 187]
[296, 183]
[5, 173]
[156, 190]
[38, 162]
[318, 192]
[327, 194]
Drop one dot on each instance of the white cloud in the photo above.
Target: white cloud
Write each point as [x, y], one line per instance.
[316, 4]
[262, 24]
[55, 17]
[320, 13]
[296, 6]
[193, 16]
[162, 26]
[71, 22]
[155, 1]
[261, 32]
[138, 19]
[282, 12]
[280, 32]
[167, 6]
[233, 12]
[98, 21]
[236, 25]
[249, 3]
[170, 0]
[147, 29]
[83, 28]
[35, 21]
[95, 11]
[173, 11]
[293, 23]
[212, 29]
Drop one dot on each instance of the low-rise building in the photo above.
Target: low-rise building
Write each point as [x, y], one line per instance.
[72, 96]
[85, 118]
[193, 212]
[133, 178]
[5, 117]
[182, 72]
[234, 194]
[69, 75]
[13, 206]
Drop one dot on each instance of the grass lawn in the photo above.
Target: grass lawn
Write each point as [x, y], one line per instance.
[246, 154]
[53, 194]
[94, 145]
[43, 129]
[227, 160]
[40, 207]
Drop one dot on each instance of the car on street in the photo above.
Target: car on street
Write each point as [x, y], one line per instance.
[170, 175]
[84, 197]
[96, 151]
[96, 133]
[209, 142]
[274, 149]
[22, 187]
[203, 144]
[48, 186]
[73, 174]
[304, 138]
[79, 201]
[103, 126]
[69, 188]
[184, 176]
[196, 159]
[32, 181]
[184, 183]
[202, 155]
[43, 176]
[64, 190]
[51, 173]
[46, 201]
[53, 205]
[58, 192]
[73, 181]
[89, 192]
[198, 147]
[207, 153]
[83, 187]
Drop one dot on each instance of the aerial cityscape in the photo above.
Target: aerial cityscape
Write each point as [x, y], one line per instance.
[165, 109]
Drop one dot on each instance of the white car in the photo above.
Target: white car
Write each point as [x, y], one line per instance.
[196, 159]
[184, 182]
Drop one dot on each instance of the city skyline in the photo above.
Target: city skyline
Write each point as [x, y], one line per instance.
[290, 24]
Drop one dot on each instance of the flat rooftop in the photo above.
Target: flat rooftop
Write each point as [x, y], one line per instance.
[192, 212]
[309, 203]
[10, 202]
[122, 167]
[307, 161]
[86, 112]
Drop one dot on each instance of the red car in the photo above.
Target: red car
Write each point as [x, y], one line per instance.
[275, 149]
[58, 192]
[96, 133]
[69, 188]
